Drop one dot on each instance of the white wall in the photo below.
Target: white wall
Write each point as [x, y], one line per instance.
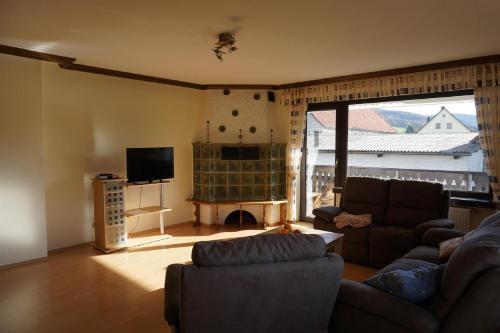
[22, 203]
[89, 120]
[404, 161]
[217, 108]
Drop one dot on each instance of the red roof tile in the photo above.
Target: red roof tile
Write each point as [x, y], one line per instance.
[361, 119]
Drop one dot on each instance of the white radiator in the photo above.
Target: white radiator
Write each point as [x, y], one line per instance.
[462, 218]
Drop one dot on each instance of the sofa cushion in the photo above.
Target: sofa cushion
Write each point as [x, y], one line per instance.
[479, 252]
[268, 248]
[327, 213]
[413, 202]
[410, 279]
[423, 252]
[393, 238]
[363, 195]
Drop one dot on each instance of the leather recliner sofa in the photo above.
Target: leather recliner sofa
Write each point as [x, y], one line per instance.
[402, 211]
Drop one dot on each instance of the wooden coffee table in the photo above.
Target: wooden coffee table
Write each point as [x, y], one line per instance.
[333, 241]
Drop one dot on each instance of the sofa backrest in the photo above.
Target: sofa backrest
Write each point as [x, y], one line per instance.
[247, 284]
[260, 249]
[366, 195]
[479, 253]
[413, 202]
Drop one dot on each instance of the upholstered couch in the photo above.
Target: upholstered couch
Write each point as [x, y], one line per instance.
[468, 299]
[267, 283]
[402, 211]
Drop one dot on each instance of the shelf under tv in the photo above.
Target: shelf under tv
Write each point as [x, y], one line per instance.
[146, 211]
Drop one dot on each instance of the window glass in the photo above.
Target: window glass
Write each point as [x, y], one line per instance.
[320, 159]
[404, 140]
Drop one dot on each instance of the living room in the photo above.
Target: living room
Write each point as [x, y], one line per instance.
[295, 107]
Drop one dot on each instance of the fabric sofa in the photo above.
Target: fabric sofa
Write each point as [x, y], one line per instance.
[265, 283]
[402, 211]
[468, 299]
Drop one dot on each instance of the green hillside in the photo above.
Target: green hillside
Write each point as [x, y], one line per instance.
[400, 120]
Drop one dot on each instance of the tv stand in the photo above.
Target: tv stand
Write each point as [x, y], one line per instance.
[150, 209]
[111, 213]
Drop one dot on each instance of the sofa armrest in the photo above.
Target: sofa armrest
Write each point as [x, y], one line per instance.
[434, 236]
[439, 223]
[386, 306]
[327, 213]
[173, 284]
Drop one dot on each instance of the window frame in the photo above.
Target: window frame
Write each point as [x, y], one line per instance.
[473, 199]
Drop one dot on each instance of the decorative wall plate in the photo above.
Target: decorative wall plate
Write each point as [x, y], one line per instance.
[253, 129]
[226, 91]
[235, 113]
[222, 128]
[256, 96]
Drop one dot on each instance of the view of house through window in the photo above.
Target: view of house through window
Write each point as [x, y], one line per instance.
[432, 140]
[320, 159]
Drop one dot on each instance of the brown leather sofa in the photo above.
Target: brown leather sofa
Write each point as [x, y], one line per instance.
[402, 211]
[468, 299]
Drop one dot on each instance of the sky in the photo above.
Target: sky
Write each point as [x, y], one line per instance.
[427, 107]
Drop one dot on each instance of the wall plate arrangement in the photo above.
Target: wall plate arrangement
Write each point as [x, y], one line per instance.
[256, 96]
[226, 92]
[252, 129]
[222, 128]
[235, 113]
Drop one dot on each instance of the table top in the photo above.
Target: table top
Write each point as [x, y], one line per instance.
[329, 237]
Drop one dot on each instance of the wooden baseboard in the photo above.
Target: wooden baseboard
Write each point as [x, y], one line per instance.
[69, 248]
[23, 263]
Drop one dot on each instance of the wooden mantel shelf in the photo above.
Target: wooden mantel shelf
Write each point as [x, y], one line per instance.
[238, 202]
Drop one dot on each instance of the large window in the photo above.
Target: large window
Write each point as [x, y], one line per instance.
[428, 139]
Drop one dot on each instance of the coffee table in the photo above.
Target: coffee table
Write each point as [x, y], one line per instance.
[334, 242]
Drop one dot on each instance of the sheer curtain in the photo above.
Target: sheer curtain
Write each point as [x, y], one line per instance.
[484, 79]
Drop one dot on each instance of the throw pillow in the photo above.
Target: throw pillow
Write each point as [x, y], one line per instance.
[414, 282]
[449, 246]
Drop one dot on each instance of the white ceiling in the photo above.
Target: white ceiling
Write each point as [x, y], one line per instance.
[279, 41]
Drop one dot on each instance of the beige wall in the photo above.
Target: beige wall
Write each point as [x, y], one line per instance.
[89, 120]
[22, 224]
[60, 128]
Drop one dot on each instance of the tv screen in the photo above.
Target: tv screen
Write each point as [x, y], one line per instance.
[149, 164]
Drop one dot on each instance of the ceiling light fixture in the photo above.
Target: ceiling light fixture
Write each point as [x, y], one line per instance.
[225, 45]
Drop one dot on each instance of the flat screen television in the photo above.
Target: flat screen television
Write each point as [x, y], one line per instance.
[150, 164]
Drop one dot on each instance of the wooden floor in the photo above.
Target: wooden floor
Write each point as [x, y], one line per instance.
[82, 290]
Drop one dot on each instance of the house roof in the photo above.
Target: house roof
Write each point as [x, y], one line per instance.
[446, 144]
[359, 119]
[444, 109]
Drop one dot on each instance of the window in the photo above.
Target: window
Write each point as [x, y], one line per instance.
[370, 138]
[316, 139]
[320, 173]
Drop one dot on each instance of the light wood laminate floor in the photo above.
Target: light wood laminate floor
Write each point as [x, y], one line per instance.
[82, 290]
